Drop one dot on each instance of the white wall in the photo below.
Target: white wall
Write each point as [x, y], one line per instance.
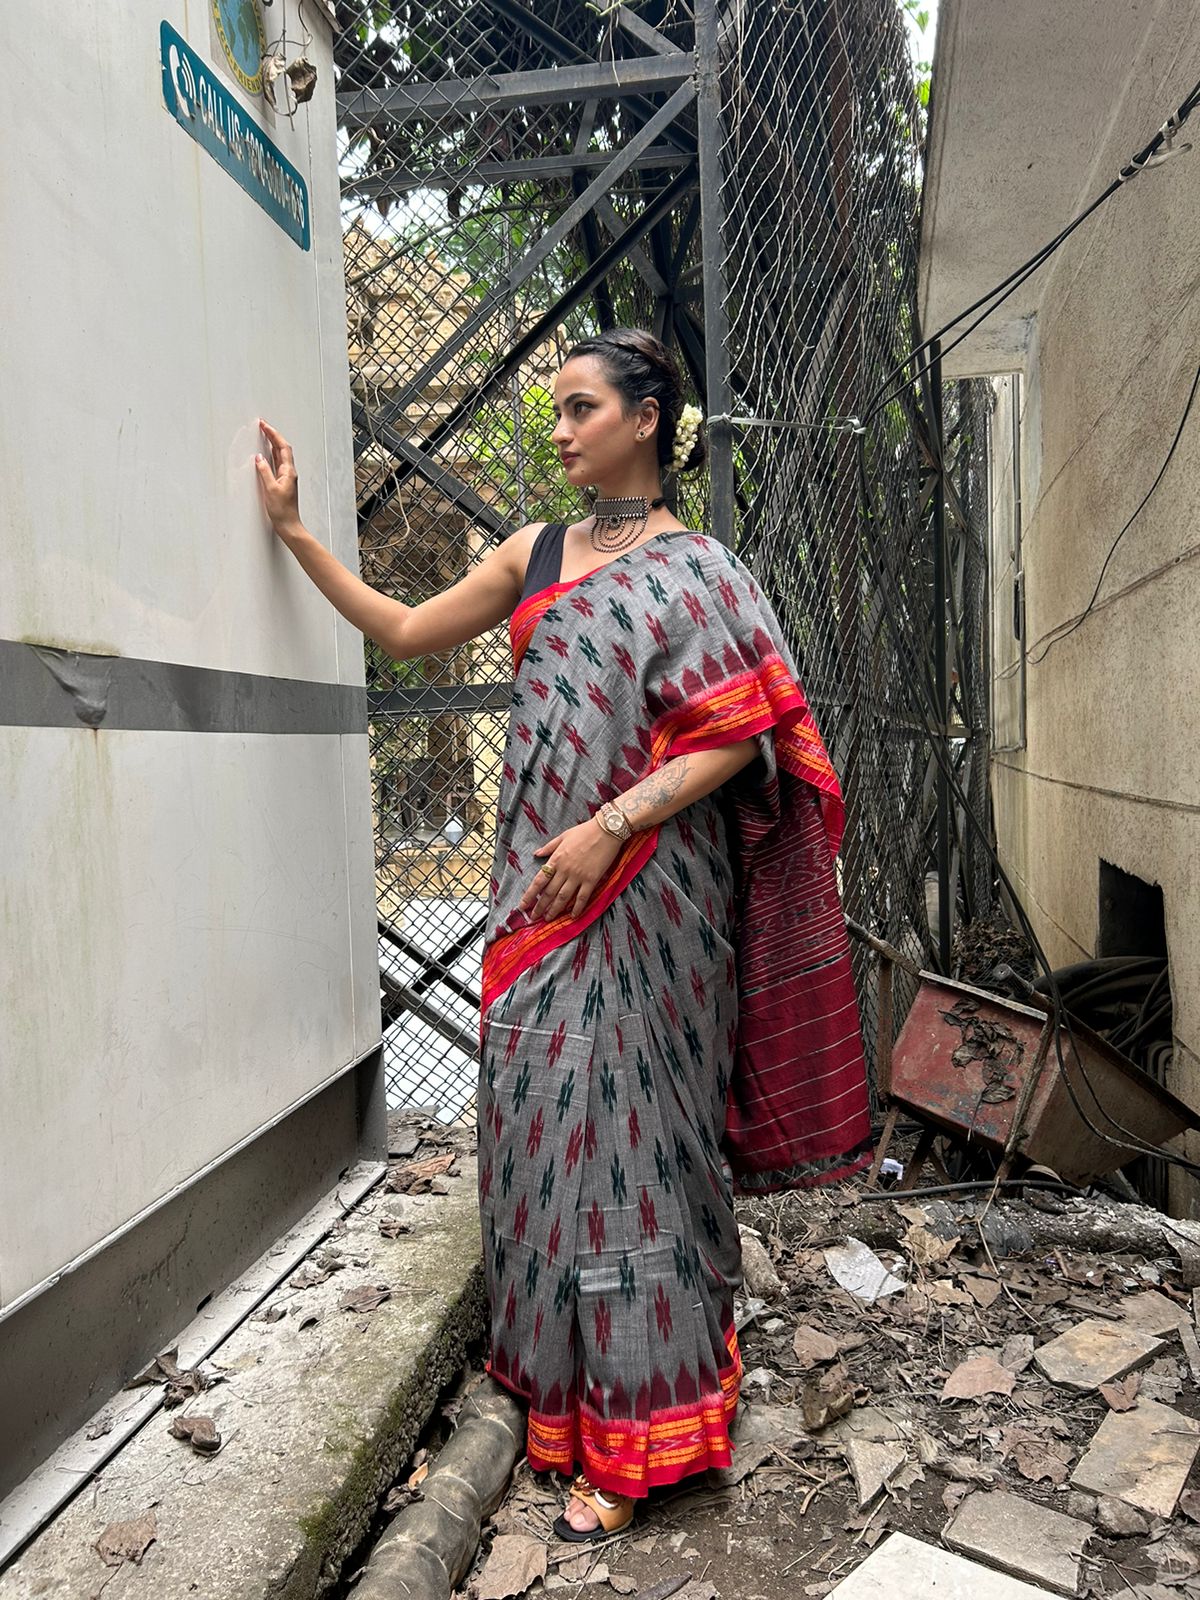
[188, 917]
[1111, 770]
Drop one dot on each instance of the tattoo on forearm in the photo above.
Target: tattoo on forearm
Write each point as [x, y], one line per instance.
[659, 789]
[702, 772]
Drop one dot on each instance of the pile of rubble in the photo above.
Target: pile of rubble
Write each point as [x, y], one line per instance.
[1018, 1382]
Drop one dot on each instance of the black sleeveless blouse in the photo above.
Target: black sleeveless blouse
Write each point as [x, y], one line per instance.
[545, 559]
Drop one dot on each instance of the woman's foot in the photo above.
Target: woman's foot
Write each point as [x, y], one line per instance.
[592, 1514]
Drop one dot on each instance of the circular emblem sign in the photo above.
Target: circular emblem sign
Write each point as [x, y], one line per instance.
[244, 39]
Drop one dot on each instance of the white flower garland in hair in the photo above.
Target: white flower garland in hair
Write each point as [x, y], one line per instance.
[686, 430]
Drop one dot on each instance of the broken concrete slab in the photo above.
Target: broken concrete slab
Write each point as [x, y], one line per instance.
[869, 1422]
[1153, 1313]
[1141, 1456]
[318, 1412]
[1121, 1520]
[1021, 1537]
[1095, 1352]
[873, 1464]
[760, 1431]
[900, 1565]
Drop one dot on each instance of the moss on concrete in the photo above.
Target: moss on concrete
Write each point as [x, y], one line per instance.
[335, 1527]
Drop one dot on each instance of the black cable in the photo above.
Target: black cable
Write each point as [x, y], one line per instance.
[1009, 285]
[1087, 610]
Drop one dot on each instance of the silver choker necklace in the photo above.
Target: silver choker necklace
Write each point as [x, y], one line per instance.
[630, 512]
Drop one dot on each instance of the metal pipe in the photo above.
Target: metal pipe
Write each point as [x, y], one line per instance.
[718, 398]
[1018, 598]
[399, 103]
[940, 673]
[973, 1183]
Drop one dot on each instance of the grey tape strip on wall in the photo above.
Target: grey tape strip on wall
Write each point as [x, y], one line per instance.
[42, 687]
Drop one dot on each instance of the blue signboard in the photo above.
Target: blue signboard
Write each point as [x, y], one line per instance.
[199, 102]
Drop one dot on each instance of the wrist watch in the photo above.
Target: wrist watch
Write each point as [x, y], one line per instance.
[614, 821]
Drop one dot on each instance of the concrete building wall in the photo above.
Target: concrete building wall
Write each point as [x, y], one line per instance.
[1110, 768]
[187, 901]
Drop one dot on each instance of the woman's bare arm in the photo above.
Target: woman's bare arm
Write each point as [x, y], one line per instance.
[681, 781]
[583, 854]
[481, 600]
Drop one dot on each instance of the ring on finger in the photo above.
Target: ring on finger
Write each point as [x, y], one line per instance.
[549, 869]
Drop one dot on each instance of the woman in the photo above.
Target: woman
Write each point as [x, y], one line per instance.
[667, 1000]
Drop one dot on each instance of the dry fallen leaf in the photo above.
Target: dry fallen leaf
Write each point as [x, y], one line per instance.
[515, 1562]
[200, 1432]
[983, 1291]
[811, 1346]
[943, 1292]
[392, 1227]
[827, 1399]
[1042, 1459]
[925, 1248]
[415, 1177]
[1121, 1394]
[976, 1377]
[271, 66]
[368, 1298]
[954, 1494]
[163, 1369]
[302, 76]
[419, 1475]
[317, 1270]
[179, 1383]
[127, 1541]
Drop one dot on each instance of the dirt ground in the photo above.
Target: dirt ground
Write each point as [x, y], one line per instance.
[934, 1387]
[937, 1379]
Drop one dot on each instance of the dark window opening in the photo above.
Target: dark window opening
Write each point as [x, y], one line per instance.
[1132, 917]
[1132, 940]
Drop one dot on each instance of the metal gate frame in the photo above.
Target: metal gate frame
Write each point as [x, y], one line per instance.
[676, 104]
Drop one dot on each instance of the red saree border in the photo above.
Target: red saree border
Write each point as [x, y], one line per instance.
[808, 1175]
[523, 623]
[763, 696]
[511, 954]
[629, 1455]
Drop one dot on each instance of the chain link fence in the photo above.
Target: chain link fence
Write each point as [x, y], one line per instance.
[744, 182]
